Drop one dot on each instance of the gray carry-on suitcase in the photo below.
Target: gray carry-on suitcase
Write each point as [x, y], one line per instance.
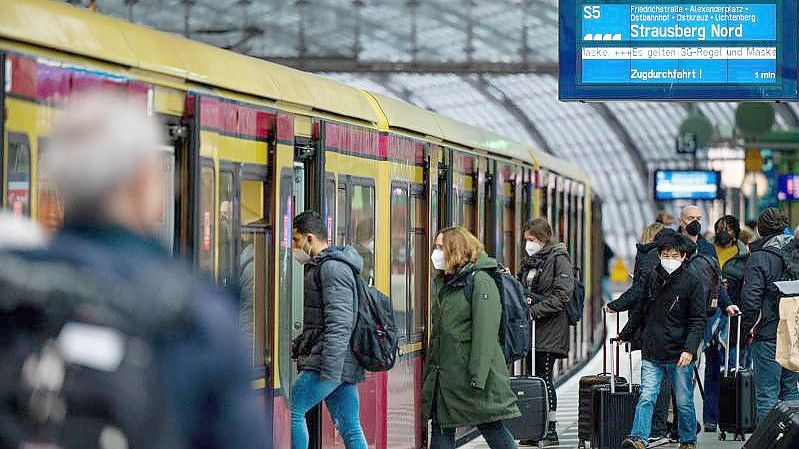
[533, 401]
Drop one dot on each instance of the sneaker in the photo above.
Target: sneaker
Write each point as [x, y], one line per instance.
[710, 427]
[633, 443]
[532, 443]
[658, 440]
[687, 446]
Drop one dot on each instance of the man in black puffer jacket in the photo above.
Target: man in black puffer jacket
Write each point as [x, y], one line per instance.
[671, 316]
[760, 301]
[328, 368]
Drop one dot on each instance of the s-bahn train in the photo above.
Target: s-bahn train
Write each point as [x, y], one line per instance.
[251, 144]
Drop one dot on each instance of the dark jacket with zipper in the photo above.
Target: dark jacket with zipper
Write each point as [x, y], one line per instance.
[646, 259]
[548, 277]
[671, 314]
[329, 315]
[732, 276]
[760, 297]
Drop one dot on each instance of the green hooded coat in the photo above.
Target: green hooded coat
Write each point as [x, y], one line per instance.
[465, 371]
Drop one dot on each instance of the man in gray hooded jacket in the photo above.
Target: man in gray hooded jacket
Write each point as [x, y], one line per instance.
[760, 301]
[328, 368]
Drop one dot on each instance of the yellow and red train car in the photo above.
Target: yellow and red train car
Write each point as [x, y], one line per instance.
[253, 143]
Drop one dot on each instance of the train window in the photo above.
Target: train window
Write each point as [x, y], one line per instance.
[468, 211]
[509, 242]
[18, 169]
[205, 256]
[399, 255]
[227, 251]
[362, 217]
[417, 269]
[253, 266]
[342, 234]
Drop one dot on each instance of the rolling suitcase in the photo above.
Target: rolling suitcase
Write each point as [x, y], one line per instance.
[614, 411]
[780, 429]
[585, 417]
[737, 395]
[531, 393]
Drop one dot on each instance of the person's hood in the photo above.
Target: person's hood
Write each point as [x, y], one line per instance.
[743, 249]
[552, 248]
[483, 262]
[343, 253]
[779, 241]
[644, 248]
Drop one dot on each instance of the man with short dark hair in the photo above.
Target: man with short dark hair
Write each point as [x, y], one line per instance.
[328, 368]
[760, 300]
[671, 318]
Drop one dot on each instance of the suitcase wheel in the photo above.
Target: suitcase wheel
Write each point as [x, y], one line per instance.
[722, 436]
[581, 444]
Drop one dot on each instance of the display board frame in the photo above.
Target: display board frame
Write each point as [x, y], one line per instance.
[571, 87]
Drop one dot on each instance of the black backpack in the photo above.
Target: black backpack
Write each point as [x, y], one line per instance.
[514, 328]
[789, 253]
[709, 272]
[574, 308]
[374, 341]
[77, 369]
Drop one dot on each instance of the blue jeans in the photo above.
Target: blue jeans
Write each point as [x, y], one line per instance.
[773, 383]
[652, 374]
[341, 399]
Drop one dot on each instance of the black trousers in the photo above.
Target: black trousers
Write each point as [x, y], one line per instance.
[544, 364]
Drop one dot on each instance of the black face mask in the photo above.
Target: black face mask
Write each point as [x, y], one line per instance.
[694, 228]
[724, 238]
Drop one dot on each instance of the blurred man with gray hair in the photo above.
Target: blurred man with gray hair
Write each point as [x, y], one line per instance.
[102, 160]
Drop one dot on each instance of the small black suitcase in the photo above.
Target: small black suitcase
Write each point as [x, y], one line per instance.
[780, 429]
[534, 405]
[585, 404]
[614, 412]
[737, 395]
[533, 402]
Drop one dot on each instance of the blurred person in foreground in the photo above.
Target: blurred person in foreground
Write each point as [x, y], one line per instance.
[102, 159]
[760, 303]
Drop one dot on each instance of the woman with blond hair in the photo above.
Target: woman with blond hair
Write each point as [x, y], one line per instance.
[466, 380]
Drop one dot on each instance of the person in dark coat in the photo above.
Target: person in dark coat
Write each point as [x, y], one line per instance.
[760, 300]
[466, 380]
[671, 317]
[328, 369]
[103, 159]
[548, 276]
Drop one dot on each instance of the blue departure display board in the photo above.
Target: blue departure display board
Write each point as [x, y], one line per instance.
[678, 50]
[687, 185]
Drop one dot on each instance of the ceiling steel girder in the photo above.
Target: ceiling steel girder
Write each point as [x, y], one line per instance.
[486, 88]
[350, 65]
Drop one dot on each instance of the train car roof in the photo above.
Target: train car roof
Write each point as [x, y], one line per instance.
[402, 115]
[560, 166]
[73, 30]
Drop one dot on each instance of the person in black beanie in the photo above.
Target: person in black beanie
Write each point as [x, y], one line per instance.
[760, 300]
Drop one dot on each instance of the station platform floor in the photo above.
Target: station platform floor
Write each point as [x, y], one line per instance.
[567, 401]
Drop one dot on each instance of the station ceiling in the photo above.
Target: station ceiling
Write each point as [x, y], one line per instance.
[488, 63]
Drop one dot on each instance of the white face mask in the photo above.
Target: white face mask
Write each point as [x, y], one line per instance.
[532, 247]
[438, 259]
[670, 265]
[300, 255]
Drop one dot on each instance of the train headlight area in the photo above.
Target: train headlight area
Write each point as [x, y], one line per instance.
[252, 143]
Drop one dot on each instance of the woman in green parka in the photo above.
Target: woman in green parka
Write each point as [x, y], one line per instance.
[466, 380]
